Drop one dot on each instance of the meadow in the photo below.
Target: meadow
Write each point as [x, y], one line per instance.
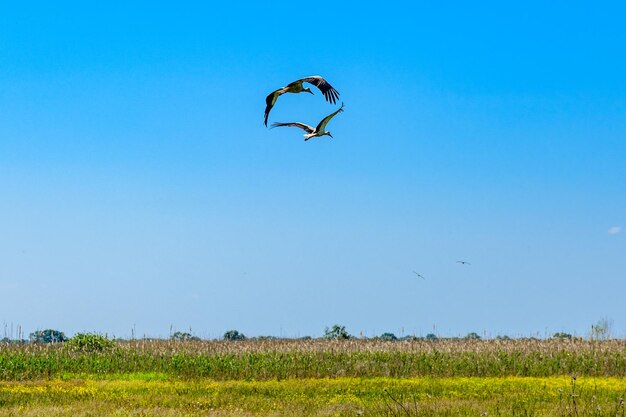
[315, 377]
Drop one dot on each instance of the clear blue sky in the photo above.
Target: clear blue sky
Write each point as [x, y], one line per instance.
[140, 189]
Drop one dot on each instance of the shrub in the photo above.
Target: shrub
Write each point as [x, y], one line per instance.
[390, 337]
[183, 336]
[601, 330]
[90, 342]
[265, 338]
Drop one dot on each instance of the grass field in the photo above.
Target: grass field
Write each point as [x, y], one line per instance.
[354, 377]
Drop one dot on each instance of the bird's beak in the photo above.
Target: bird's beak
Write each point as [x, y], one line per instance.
[331, 135]
[309, 91]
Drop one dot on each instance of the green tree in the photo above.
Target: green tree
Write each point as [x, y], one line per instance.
[47, 336]
[234, 335]
[336, 332]
[390, 337]
[472, 336]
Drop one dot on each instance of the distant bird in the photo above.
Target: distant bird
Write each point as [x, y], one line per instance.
[296, 87]
[311, 132]
[463, 262]
[418, 275]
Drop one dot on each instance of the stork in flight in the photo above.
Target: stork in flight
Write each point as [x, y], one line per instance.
[463, 262]
[296, 87]
[312, 132]
[419, 275]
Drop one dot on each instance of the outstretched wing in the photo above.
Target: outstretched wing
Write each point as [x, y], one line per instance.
[329, 92]
[419, 275]
[306, 128]
[322, 126]
[270, 100]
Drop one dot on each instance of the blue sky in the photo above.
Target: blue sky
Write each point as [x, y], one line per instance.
[140, 190]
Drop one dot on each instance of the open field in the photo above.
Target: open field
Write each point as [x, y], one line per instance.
[159, 395]
[316, 377]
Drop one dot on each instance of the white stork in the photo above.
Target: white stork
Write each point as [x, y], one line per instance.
[311, 132]
[296, 87]
[419, 275]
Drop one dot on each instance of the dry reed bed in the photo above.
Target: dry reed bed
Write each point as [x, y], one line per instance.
[283, 359]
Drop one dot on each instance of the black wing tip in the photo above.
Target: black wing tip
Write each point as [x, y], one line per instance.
[331, 95]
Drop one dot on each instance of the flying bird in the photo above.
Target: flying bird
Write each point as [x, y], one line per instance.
[296, 87]
[421, 276]
[463, 262]
[311, 132]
